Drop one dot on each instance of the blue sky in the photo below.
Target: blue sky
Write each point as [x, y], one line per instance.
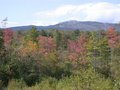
[46, 12]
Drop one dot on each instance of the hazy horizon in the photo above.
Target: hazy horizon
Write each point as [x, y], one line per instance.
[58, 23]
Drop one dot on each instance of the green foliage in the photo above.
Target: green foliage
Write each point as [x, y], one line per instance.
[1, 39]
[75, 34]
[115, 67]
[5, 69]
[27, 69]
[58, 38]
[38, 60]
[86, 80]
[43, 33]
[99, 53]
[54, 67]
[32, 34]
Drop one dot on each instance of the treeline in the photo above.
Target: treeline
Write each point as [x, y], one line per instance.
[31, 56]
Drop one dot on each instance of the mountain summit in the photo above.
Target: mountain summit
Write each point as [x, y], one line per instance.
[74, 25]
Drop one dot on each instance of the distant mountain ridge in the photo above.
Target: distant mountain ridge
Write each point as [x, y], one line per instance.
[73, 25]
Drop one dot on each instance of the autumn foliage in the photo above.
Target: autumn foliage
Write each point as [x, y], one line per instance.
[113, 38]
[28, 48]
[7, 36]
[46, 45]
[77, 49]
[33, 55]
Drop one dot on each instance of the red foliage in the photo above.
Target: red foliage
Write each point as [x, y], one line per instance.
[113, 38]
[46, 44]
[77, 49]
[7, 36]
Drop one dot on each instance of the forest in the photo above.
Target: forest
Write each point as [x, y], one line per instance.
[59, 60]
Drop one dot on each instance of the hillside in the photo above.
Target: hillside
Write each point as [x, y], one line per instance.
[73, 25]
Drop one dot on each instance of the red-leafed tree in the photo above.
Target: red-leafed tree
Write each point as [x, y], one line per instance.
[113, 41]
[113, 38]
[46, 45]
[7, 36]
[77, 50]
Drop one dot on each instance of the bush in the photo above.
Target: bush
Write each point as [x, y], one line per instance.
[85, 80]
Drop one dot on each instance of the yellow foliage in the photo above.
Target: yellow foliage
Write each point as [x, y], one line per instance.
[52, 56]
[27, 48]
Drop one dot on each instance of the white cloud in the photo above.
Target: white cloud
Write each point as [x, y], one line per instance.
[60, 11]
[101, 11]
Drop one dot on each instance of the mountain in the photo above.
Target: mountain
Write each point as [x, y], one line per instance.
[74, 25]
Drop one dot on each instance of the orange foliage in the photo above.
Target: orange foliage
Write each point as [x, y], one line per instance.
[28, 48]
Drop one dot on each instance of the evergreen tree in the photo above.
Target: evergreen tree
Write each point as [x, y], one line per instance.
[1, 39]
[32, 34]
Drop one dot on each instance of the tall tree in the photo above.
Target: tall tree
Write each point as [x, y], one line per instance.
[114, 44]
[7, 36]
[58, 38]
[32, 34]
[1, 39]
[77, 50]
[46, 45]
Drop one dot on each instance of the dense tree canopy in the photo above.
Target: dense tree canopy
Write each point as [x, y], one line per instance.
[32, 56]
